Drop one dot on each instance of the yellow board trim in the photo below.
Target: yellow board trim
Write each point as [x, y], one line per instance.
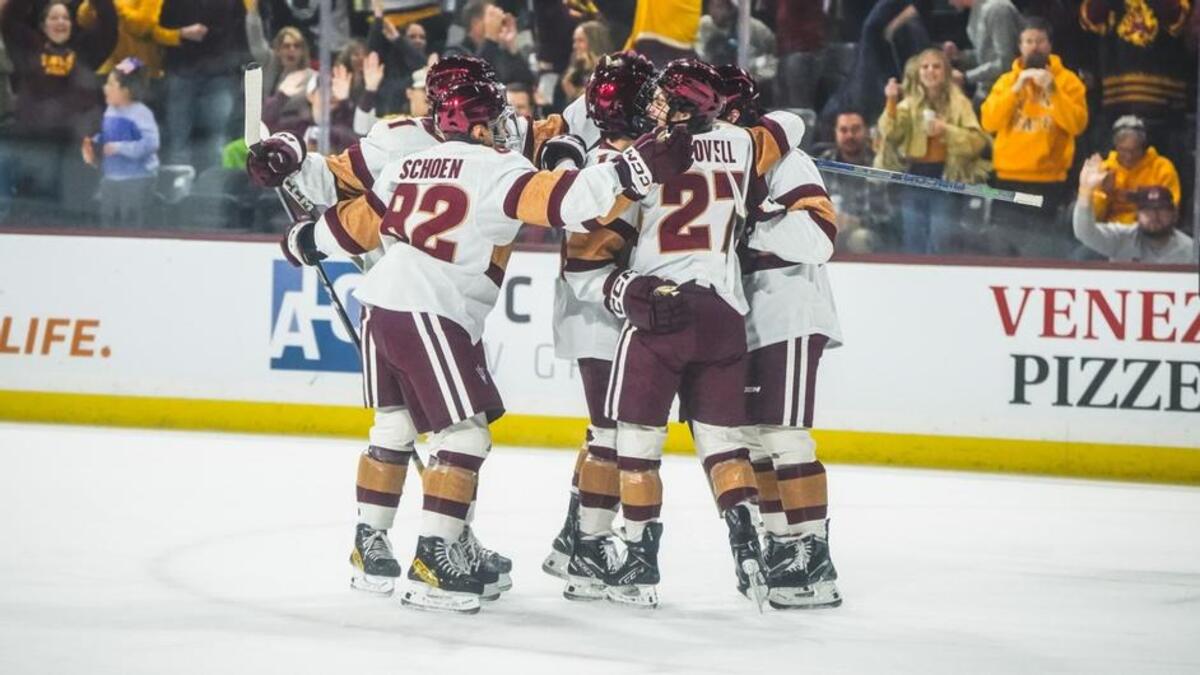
[1088, 460]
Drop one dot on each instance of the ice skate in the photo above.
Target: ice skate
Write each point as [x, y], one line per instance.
[440, 579]
[486, 564]
[561, 548]
[591, 564]
[635, 582]
[375, 566]
[747, 554]
[806, 559]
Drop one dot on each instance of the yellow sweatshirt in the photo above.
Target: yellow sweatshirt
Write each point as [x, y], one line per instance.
[1035, 130]
[671, 22]
[138, 33]
[1153, 169]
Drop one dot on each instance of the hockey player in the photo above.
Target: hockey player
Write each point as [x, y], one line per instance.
[339, 180]
[685, 252]
[792, 320]
[586, 333]
[440, 214]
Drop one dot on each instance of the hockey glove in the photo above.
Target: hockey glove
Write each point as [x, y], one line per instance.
[654, 158]
[274, 159]
[650, 303]
[565, 148]
[300, 246]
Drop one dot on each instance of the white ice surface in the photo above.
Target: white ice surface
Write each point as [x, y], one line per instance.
[160, 552]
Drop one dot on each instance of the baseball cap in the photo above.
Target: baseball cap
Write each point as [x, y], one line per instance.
[1154, 197]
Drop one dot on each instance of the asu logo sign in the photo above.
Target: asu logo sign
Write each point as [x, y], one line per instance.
[306, 333]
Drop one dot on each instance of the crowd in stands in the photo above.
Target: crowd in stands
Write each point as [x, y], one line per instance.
[1088, 103]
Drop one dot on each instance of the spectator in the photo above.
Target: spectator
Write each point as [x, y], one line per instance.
[892, 33]
[664, 30]
[126, 147]
[139, 34]
[520, 97]
[351, 57]
[402, 50]
[615, 15]
[929, 128]
[1155, 239]
[863, 212]
[1144, 65]
[993, 27]
[57, 100]
[492, 36]
[589, 43]
[1035, 111]
[203, 78]
[804, 62]
[717, 40]
[287, 53]
[304, 15]
[1133, 164]
[348, 121]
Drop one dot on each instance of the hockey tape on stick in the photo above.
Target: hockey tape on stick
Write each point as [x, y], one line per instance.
[252, 90]
[985, 191]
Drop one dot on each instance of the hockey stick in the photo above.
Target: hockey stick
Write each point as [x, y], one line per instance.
[292, 199]
[985, 191]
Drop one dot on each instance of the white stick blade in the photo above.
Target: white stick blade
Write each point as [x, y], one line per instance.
[252, 87]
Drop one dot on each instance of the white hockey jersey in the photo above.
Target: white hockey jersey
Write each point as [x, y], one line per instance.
[583, 328]
[687, 225]
[329, 179]
[786, 282]
[444, 214]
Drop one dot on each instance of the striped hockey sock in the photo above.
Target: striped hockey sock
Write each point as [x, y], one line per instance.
[381, 474]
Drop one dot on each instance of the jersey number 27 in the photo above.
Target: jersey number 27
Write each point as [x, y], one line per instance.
[421, 215]
[678, 232]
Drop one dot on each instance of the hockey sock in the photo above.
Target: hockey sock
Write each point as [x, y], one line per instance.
[381, 474]
[804, 493]
[769, 505]
[449, 484]
[731, 477]
[599, 491]
[641, 493]
[579, 459]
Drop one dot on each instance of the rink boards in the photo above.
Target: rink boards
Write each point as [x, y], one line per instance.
[1089, 372]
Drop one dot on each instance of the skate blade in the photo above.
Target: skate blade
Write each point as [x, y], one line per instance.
[555, 564]
[423, 597]
[642, 597]
[371, 583]
[585, 589]
[491, 592]
[758, 590]
[821, 595]
[504, 583]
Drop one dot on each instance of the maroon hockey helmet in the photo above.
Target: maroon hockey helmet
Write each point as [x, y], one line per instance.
[467, 104]
[689, 86]
[741, 96]
[613, 92]
[453, 70]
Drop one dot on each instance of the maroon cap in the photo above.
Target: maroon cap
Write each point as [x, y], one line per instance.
[1154, 197]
